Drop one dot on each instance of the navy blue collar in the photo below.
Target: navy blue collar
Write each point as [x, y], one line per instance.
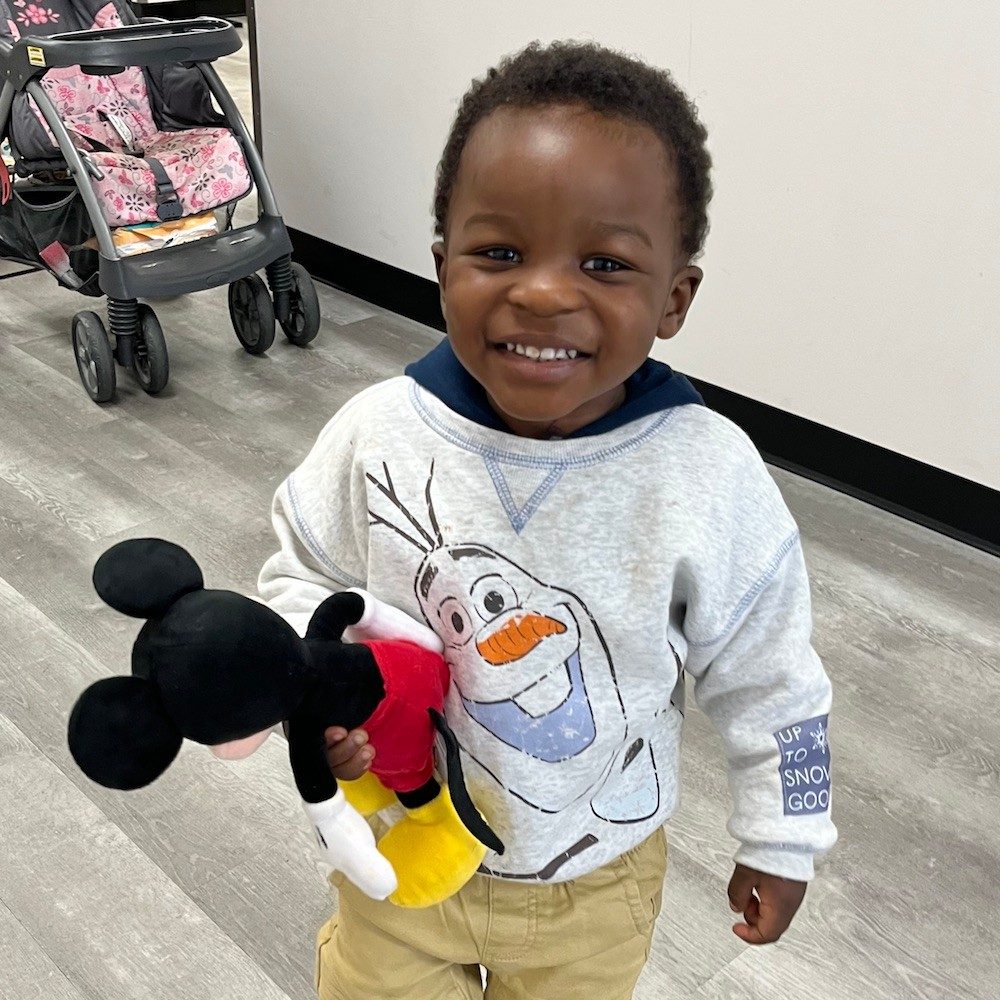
[653, 388]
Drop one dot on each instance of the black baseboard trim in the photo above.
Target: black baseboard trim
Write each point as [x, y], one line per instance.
[942, 501]
[180, 10]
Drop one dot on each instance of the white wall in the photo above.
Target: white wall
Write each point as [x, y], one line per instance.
[853, 268]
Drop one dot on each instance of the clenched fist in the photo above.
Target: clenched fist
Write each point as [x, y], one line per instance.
[768, 903]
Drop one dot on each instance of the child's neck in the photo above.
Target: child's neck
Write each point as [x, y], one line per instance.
[562, 427]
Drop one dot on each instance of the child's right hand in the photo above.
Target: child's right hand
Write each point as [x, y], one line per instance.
[348, 753]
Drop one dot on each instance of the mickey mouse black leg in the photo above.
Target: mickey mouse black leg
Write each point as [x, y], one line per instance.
[420, 796]
[464, 807]
[452, 832]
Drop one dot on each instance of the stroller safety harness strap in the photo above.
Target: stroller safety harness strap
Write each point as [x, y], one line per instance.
[168, 205]
[124, 132]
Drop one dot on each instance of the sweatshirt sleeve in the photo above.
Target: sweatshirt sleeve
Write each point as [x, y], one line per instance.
[760, 682]
[320, 518]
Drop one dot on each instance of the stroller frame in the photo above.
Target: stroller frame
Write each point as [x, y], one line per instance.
[230, 257]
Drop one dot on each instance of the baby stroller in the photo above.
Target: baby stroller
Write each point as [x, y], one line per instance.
[113, 134]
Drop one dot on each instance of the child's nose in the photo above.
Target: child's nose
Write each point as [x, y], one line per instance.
[546, 290]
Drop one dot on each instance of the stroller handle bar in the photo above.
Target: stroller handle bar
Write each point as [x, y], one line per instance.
[105, 51]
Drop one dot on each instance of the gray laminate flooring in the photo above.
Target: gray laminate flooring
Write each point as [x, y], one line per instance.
[205, 885]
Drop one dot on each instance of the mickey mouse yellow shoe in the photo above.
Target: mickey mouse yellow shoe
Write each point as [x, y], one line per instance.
[432, 853]
[367, 794]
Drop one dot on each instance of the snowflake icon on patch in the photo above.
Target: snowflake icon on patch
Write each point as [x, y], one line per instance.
[819, 738]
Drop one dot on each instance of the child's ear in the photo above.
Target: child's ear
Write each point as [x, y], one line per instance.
[441, 266]
[682, 293]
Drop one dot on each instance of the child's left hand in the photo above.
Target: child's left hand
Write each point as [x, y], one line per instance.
[768, 912]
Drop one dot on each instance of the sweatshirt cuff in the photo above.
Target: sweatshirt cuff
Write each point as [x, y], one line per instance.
[773, 859]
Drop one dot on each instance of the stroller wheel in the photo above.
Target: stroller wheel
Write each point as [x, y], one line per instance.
[94, 359]
[252, 313]
[303, 320]
[149, 353]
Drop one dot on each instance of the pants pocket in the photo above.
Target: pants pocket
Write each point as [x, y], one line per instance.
[643, 873]
[323, 939]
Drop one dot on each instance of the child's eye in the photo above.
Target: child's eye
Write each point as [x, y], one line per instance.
[614, 268]
[500, 250]
[506, 255]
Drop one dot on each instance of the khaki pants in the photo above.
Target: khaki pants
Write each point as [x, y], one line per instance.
[580, 939]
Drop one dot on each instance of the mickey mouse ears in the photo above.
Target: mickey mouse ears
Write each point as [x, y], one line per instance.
[143, 577]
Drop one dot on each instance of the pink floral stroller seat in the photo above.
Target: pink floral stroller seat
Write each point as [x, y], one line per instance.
[112, 122]
[149, 174]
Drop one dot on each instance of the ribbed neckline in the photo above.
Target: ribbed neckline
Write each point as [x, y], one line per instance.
[512, 449]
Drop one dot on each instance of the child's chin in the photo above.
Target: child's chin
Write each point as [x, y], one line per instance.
[542, 415]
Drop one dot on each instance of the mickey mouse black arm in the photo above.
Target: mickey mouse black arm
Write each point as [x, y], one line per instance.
[345, 678]
[307, 756]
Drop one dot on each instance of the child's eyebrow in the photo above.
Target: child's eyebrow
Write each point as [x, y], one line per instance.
[604, 228]
[625, 229]
[488, 217]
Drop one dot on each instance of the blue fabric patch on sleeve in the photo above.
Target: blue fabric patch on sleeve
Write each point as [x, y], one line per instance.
[805, 766]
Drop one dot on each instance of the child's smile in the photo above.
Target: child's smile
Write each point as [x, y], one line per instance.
[561, 262]
[547, 359]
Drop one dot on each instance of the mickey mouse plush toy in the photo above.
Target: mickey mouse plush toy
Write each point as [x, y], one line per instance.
[223, 670]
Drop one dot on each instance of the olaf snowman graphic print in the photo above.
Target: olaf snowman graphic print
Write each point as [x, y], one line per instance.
[534, 699]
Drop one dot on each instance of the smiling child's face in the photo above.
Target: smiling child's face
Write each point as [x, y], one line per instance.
[561, 263]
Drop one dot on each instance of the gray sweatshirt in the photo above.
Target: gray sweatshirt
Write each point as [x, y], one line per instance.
[574, 584]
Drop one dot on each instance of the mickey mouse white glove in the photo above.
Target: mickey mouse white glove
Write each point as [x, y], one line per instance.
[348, 843]
[383, 621]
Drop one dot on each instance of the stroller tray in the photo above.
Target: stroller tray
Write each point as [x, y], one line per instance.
[193, 267]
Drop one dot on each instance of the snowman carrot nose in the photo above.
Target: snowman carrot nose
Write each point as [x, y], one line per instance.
[517, 638]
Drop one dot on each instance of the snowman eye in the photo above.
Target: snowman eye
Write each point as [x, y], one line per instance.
[492, 595]
[455, 621]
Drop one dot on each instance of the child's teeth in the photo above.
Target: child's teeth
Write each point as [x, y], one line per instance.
[541, 353]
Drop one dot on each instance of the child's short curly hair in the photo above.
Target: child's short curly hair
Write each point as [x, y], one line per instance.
[611, 83]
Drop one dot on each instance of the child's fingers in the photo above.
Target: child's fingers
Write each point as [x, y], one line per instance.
[762, 927]
[352, 769]
[741, 887]
[342, 745]
[348, 754]
[751, 935]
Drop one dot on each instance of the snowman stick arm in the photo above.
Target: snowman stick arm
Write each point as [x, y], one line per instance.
[462, 801]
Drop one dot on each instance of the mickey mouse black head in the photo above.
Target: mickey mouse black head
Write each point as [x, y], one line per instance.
[208, 665]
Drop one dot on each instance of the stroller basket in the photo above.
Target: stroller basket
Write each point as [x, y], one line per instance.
[48, 225]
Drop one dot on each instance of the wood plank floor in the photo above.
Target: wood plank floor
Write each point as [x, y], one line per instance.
[206, 886]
